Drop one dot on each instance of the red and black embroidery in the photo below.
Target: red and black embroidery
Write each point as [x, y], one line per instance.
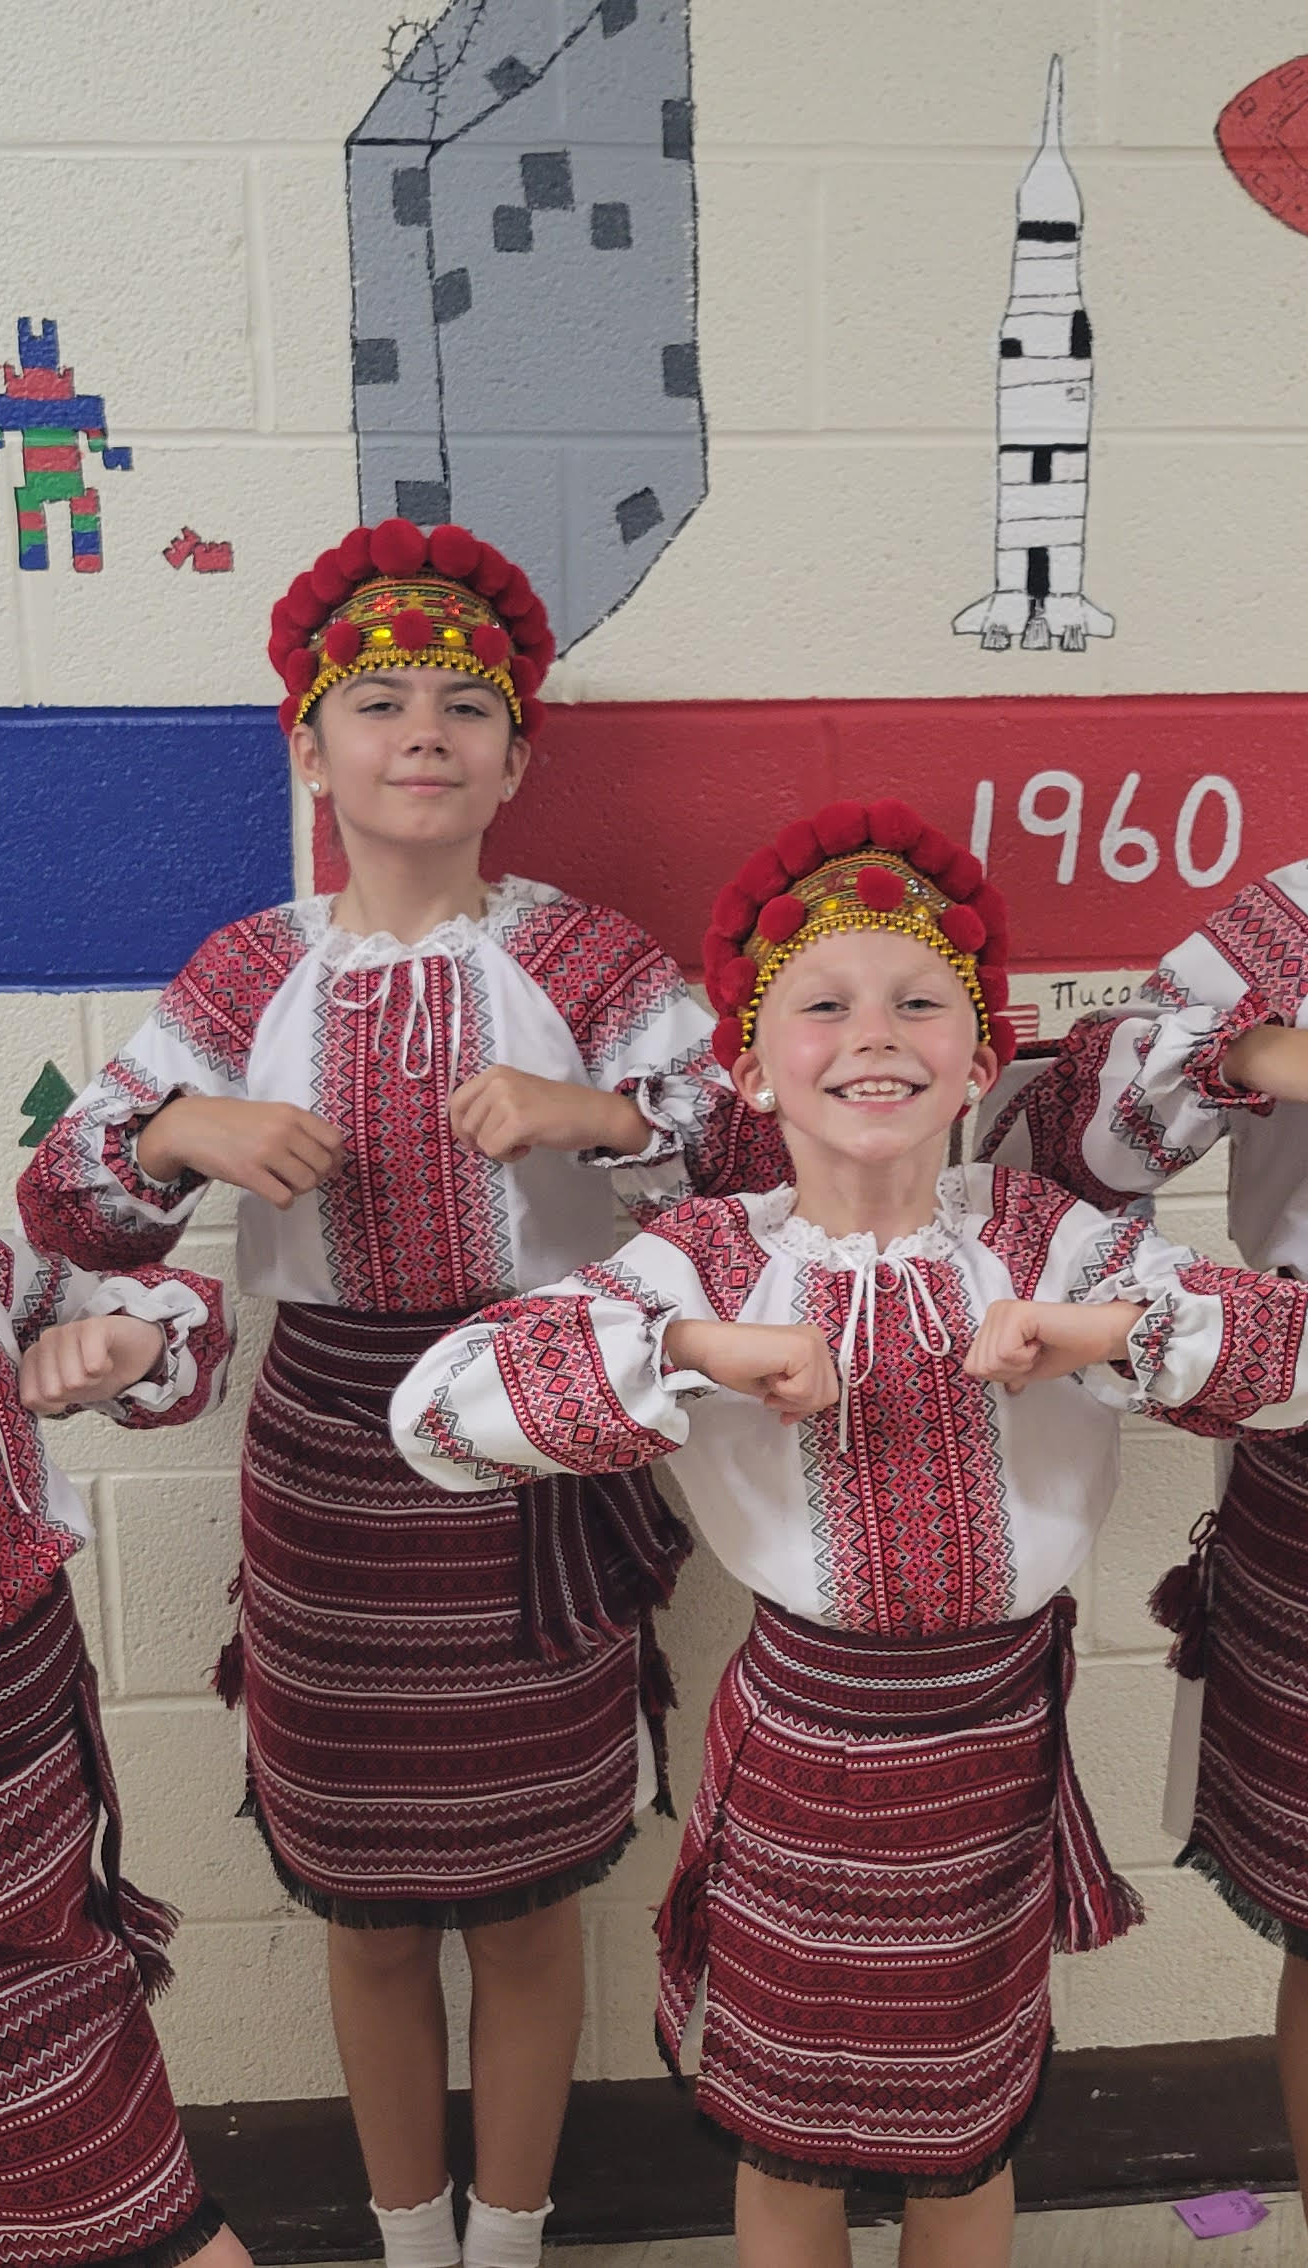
[715, 1234]
[1026, 1214]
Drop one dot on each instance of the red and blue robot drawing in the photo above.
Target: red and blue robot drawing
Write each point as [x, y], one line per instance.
[39, 403]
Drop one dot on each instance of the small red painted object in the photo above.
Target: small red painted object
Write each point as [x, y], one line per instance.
[1263, 136]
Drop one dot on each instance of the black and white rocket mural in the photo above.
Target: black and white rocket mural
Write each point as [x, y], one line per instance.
[1046, 389]
[523, 255]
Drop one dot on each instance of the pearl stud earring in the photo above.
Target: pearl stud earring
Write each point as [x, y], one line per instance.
[765, 1099]
[973, 1091]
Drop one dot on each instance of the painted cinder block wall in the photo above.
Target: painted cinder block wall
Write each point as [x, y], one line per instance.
[173, 181]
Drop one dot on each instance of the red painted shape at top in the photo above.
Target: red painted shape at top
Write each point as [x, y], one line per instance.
[39, 385]
[1263, 136]
[652, 806]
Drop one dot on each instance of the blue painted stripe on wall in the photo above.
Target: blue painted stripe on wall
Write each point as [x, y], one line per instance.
[126, 835]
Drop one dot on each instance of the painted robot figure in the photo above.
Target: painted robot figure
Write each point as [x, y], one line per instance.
[454, 1706]
[889, 1839]
[1216, 1045]
[93, 2164]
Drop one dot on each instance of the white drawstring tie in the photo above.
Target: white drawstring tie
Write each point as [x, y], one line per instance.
[924, 1318]
[417, 1022]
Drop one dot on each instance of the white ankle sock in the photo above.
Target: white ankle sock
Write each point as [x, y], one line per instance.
[419, 2236]
[497, 2238]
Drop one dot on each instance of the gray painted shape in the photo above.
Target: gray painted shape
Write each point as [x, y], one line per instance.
[552, 394]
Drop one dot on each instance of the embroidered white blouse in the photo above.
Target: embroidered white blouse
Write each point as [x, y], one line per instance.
[926, 1501]
[373, 1035]
[1129, 1100]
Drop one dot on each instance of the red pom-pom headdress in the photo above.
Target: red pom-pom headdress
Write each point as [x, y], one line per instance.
[391, 597]
[855, 867]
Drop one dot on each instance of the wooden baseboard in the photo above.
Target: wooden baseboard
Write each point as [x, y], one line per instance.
[1114, 2124]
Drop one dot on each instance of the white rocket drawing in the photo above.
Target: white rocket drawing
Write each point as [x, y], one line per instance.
[1046, 384]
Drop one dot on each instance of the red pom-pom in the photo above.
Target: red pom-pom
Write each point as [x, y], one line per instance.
[281, 617]
[531, 624]
[398, 548]
[341, 643]
[963, 926]
[961, 876]
[763, 875]
[533, 717]
[525, 675]
[734, 911]
[932, 852]
[1003, 1040]
[303, 606]
[781, 917]
[492, 646]
[994, 990]
[735, 984]
[354, 554]
[840, 827]
[893, 826]
[413, 628]
[728, 1041]
[715, 953]
[329, 580]
[300, 669]
[288, 711]
[453, 551]
[798, 848]
[516, 597]
[990, 906]
[492, 571]
[994, 953]
[880, 890]
[281, 643]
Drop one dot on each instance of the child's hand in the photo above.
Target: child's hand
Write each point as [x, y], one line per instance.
[275, 1150]
[1271, 1060]
[90, 1361]
[506, 1113]
[786, 1366]
[1025, 1339]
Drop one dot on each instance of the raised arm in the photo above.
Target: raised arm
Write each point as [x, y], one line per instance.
[1128, 1101]
[54, 1310]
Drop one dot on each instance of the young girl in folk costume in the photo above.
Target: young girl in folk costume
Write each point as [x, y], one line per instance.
[1215, 1046]
[93, 2166]
[889, 1838]
[415, 1086]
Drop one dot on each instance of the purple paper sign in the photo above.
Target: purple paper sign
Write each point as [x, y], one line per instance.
[1224, 2215]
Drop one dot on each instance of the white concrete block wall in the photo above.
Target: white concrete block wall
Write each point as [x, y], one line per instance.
[173, 180]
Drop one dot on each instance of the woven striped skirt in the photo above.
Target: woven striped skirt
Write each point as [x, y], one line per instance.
[442, 1691]
[1250, 1830]
[888, 1843]
[93, 2165]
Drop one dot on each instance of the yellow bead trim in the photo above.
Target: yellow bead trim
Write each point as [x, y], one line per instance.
[405, 657]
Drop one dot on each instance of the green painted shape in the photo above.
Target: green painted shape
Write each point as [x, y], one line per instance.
[51, 436]
[44, 1103]
[49, 488]
[32, 539]
[86, 521]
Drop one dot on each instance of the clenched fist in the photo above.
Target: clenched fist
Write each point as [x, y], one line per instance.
[91, 1361]
[786, 1366]
[275, 1150]
[506, 1113]
[1022, 1340]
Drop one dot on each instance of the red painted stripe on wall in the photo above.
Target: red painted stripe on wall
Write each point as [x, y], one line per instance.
[1113, 823]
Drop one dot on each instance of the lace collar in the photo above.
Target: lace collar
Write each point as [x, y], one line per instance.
[504, 901]
[774, 1217]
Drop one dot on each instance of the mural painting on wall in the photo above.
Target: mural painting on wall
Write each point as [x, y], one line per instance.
[1045, 392]
[523, 256]
[1263, 136]
[205, 558]
[39, 404]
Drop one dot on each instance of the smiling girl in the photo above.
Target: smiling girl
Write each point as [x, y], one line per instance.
[415, 1086]
[889, 1839]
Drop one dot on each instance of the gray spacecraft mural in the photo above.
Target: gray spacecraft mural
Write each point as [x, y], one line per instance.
[523, 254]
[1046, 387]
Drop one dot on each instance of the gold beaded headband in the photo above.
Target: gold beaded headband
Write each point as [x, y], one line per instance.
[844, 895]
[423, 623]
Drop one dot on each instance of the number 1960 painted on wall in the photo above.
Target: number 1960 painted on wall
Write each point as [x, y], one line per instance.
[1053, 803]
